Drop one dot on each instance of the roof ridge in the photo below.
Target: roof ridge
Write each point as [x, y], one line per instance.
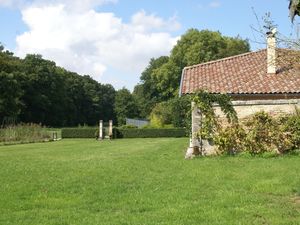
[224, 59]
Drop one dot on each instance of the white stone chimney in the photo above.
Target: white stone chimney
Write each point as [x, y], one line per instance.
[271, 50]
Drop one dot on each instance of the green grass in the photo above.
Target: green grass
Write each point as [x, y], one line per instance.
[143, 181]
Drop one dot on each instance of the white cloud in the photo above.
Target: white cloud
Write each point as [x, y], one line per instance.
[91, 42]
[144, 22]
[214, 4]
[12, 3]
[210, 5]
[77, 5]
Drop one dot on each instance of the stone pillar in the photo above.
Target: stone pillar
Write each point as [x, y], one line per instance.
[196, 118]
[101, 130]
[110, 131]
[193, 148]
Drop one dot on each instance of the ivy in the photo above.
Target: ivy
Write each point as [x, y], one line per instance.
[205, 102]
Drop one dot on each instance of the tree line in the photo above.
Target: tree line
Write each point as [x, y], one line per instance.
[36, 90]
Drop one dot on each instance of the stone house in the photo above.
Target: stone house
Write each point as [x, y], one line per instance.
[267, 80]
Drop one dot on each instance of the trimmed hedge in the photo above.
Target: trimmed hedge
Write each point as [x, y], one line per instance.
[78, 132]
[149, 133]
[124, 133]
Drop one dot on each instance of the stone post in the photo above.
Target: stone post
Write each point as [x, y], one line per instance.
[101, 130]
[110, 131]
[195, 125]
[193, 148]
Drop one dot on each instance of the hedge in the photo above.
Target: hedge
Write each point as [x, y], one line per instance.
[78, 132]
[149, 133]
[124, 133]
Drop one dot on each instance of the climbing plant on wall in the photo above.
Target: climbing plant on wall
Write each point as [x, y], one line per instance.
[205, 102]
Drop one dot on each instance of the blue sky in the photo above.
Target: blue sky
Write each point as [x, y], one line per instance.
[113, 40]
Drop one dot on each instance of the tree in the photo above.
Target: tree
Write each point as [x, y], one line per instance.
[125, 106]
[161, 79]
[36, 90]
[175, 112]
[147, 93]
[10, 93]
[294, 8]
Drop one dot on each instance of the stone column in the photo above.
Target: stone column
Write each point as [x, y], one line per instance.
[196, 118]
[110, 131]
[101, 130]
[193, 148]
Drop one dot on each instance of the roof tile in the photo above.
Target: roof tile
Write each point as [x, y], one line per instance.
[244, 74]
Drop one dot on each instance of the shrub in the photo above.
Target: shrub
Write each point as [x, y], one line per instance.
[292, 126]
[78, 132]
[149, 133]
[160, 115]
[265, 134]
[128, 126]
[23, 133]
[175, 112]
[260, 134]
[230, 140]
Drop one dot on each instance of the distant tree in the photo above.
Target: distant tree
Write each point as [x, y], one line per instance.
[36, 90]
[161, 115]
[10, 93]
[181, 111]
[125, 106]
[294, 8]
[175, 111]
[146, 93]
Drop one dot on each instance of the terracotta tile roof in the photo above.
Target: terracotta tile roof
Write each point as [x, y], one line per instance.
[244, 74]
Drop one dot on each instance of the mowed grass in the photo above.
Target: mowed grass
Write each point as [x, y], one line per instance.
[143, 181]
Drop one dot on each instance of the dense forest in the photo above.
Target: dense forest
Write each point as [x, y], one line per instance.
[36, 90]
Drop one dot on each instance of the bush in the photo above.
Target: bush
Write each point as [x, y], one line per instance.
[128, 126]
[231, 139]
[78, 132]
[24, 133]
[292, 126]
[260, 134]
[266, 134]
[148, 133]
[175, 112]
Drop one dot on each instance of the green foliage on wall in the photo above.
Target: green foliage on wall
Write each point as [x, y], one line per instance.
[209, 124]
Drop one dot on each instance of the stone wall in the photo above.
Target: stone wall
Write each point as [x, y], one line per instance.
[245, 109]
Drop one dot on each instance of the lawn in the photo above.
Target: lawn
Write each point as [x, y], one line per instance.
[143, 181]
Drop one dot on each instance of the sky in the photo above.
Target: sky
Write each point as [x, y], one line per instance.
[113, 40]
